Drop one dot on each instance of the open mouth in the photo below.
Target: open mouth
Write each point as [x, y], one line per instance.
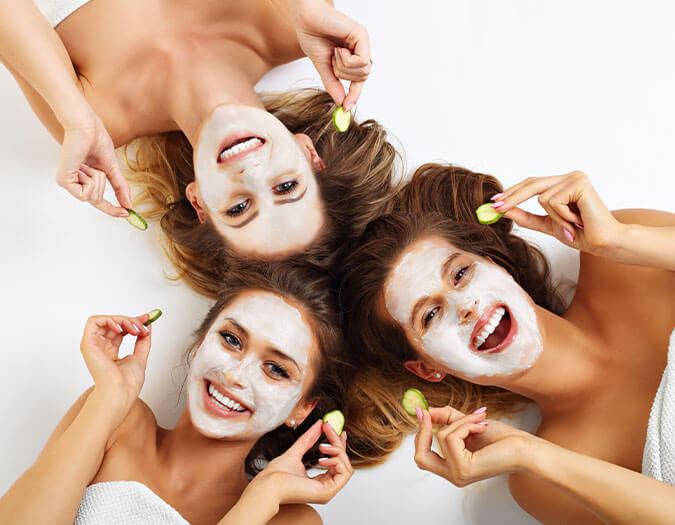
[222, 402]
[494, 331]
[239, 146]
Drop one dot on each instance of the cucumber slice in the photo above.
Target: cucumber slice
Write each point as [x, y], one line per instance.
[335, 419]
[487, 214]
[413, 398]
[154, 315]
[341, 119]
[136, 220]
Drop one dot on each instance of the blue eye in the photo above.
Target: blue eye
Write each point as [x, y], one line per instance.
[460, 274]
[276, 370]
[430, 315]
[239, 208]
[230, 339]
[285, 187]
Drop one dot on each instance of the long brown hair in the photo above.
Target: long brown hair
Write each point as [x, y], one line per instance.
[439, 200]
[356, 186]
[309, 286]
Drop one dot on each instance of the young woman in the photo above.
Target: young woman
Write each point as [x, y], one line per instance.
[264, 368]
[113, 71]
[470, 310]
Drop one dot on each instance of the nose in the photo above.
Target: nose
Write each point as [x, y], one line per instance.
[234, 376]
[468, 312]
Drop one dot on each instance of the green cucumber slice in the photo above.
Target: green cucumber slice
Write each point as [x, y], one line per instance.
[341, 119]
[136, 220]
[335, 419]
[487, 214]
[413, 398]
[154, 315]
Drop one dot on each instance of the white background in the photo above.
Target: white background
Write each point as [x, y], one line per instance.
[516, 89]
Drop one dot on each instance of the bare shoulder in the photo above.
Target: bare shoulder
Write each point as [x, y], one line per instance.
[645, 217]
[297, 513]
[139, 423]
[547, 503]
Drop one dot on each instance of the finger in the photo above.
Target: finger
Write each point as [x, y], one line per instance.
[524, 191]
[119, 184]
[142, 348]
[130, 326]
[454, 445]
[99, 177]
[343, 67]
[85, 188]
[112, 325]
[355, 89]
[425, 458]
[109, 209]
[343, 438]
[348, 74]
[531, 221]
[545, 202]
[306, 441]
[331, 82]
[471, 418]
[560, 201]
[332, 436]
[444, 415]
[332, 450]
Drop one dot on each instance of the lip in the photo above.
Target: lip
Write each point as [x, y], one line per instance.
[216, 409]
[231, 139]
[513, 330]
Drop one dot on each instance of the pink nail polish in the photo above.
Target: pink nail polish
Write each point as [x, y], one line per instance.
[569, 236]
[580, 226]
[496, 196]
[483, 423]
[498, 204]
[480, 410]
[420, 416]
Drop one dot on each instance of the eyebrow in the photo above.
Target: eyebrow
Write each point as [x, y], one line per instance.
[245, 222]
[445, 268]
[292, 199]
[237, 326]
[285, 357]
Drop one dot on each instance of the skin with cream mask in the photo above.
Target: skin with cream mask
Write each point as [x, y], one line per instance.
[462, 311]
[252, 368]
[256, 182]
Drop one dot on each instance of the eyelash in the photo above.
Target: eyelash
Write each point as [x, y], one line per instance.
[231, 339]
[460, 274]
[430, 315]
[238, 209]
[277, 370]
[289, 186]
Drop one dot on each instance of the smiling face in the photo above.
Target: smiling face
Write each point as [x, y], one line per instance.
[256, 182]
[252, 368]
[467, 315]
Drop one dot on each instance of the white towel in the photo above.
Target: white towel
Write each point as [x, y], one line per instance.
[658, 460]
[56, 10]
[125, 503]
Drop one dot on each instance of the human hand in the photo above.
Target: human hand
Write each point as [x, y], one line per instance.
[473, 448]
[576, 216]
[338, 47]
[87, 160]
[286, 476]
[120, 379]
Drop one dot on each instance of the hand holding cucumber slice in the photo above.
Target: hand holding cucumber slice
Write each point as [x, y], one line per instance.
[412, 399]
[341, 119]
[335, 419]
[154, 315]
[487, 214]
[136, 220]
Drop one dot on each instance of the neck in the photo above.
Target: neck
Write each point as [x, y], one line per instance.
[566, 372]
[193, 460]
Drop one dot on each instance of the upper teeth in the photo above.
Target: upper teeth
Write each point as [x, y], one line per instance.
[238, 148]
[224, 400]
[489, 327]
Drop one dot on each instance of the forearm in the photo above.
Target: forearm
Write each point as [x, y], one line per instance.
[613, 493]
[50, 491]
[646, 246]
[256, 506]
[32, 49]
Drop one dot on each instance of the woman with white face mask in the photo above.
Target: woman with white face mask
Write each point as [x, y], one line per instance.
[111, 72]
[262, 371]
[466, 313]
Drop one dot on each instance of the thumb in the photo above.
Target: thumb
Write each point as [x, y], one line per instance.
[531, 221]
[331, 82]
[306, 441]
[142, 348]
[119, 184]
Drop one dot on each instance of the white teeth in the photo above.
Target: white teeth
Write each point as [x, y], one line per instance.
[489, 327]
[238, 148]
[224, 400]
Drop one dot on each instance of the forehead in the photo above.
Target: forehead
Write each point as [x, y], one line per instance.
[416, 274]
[272, 319]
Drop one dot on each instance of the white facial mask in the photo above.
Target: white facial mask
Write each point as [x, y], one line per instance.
[266, 317]
[278, 227]
[448, 339]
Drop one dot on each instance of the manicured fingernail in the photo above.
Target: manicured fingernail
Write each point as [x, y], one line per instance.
[348, 106]
[322, 459]
[145, 330]
[480, 410]
[498, 204]
[420, 416]
[119, 328]
[569, 236]
[325, 445]
[483, 423]
[580, 226]
[496, 196]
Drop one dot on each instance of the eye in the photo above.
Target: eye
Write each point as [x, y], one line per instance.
[460, 274]
[230, 339]
[239, 208]
[430, 315]
[285, 187]
[276, 371]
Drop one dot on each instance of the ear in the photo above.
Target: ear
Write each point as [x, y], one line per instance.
[193, 196]
[308, 146]
[300, 413]
[420, 369]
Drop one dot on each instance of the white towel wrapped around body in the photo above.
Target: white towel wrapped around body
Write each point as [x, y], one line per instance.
[658, 459]
[57, 10]
[125, 503]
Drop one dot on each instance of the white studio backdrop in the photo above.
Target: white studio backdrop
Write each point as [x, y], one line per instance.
[515, 89]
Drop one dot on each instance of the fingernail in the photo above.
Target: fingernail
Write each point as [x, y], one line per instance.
[134, 329]
[483, 423]
[480, 410]
[324, 444]
[322, 459]
[420, 416]
[348, 106]
[496, 196]
[119, 328]
[569, 236]
[498, 204]
[145, 330]
[580, 226]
